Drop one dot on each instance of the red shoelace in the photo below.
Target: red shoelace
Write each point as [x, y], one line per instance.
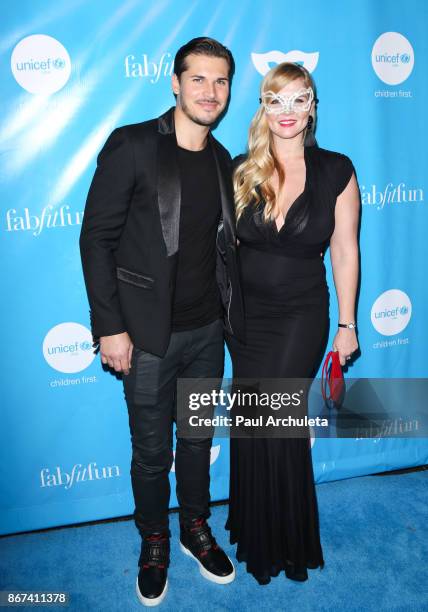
[158, 537]
[198, 523]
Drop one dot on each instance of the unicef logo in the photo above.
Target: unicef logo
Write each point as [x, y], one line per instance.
[59, 63]
[85, 346]
[391, 312]
[40, 64]
[67, 348]
[262, 61]
[392, 58]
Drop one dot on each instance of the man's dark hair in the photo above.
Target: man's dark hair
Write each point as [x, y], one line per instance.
[202, 46]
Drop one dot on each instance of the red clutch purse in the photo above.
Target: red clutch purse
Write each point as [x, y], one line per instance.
[332, 381]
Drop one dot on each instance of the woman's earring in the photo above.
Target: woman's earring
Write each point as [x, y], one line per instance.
[310, 140]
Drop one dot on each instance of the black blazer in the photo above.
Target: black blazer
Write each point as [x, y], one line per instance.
[129, 237]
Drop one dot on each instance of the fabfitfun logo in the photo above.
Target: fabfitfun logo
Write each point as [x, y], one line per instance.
[40, 64]
[392, 58]
[262, 61]
[391, 312]
[390, 194]
[67, 348]
[149, 69]
[78, 473]
[49, 217]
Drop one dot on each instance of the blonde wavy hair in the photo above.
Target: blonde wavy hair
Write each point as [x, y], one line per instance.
[251, 179]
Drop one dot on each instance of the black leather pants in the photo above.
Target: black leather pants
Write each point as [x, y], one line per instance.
[150, 391]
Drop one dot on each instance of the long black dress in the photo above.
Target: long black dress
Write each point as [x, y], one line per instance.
[273, 514]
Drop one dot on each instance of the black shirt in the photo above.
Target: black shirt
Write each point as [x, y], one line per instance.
[196, 297]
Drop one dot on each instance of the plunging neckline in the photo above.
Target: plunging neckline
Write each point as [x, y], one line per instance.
[284, 219]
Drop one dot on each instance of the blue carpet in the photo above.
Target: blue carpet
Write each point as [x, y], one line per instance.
[373, 532]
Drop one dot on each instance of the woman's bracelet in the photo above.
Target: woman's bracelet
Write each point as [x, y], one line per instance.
[348, 325]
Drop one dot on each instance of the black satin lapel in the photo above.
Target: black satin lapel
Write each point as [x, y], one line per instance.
[226, 193]
[169, 191]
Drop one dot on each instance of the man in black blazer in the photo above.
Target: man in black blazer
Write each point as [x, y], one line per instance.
[158, 250]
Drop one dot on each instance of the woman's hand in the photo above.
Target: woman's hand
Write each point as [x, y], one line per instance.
[346, 343]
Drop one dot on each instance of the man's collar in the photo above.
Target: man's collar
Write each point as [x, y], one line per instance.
[166, 124]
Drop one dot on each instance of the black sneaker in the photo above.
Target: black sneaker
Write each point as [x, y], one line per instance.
[152, 581]
[197, 542]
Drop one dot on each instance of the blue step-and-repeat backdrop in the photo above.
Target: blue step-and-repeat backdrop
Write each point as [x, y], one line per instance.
[73, 71]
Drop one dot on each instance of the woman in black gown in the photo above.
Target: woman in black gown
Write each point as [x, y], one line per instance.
[293, 199]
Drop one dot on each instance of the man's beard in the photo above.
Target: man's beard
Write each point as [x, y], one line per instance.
[195, 119]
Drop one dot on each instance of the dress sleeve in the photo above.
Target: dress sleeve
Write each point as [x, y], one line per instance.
[343, 172]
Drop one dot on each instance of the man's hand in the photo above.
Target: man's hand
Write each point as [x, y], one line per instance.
[116, 352]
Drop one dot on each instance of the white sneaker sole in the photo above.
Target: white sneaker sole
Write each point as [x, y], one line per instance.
[146, 601]
[209, 575]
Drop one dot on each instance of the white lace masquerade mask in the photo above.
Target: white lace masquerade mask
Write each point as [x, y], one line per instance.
[299, 102]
